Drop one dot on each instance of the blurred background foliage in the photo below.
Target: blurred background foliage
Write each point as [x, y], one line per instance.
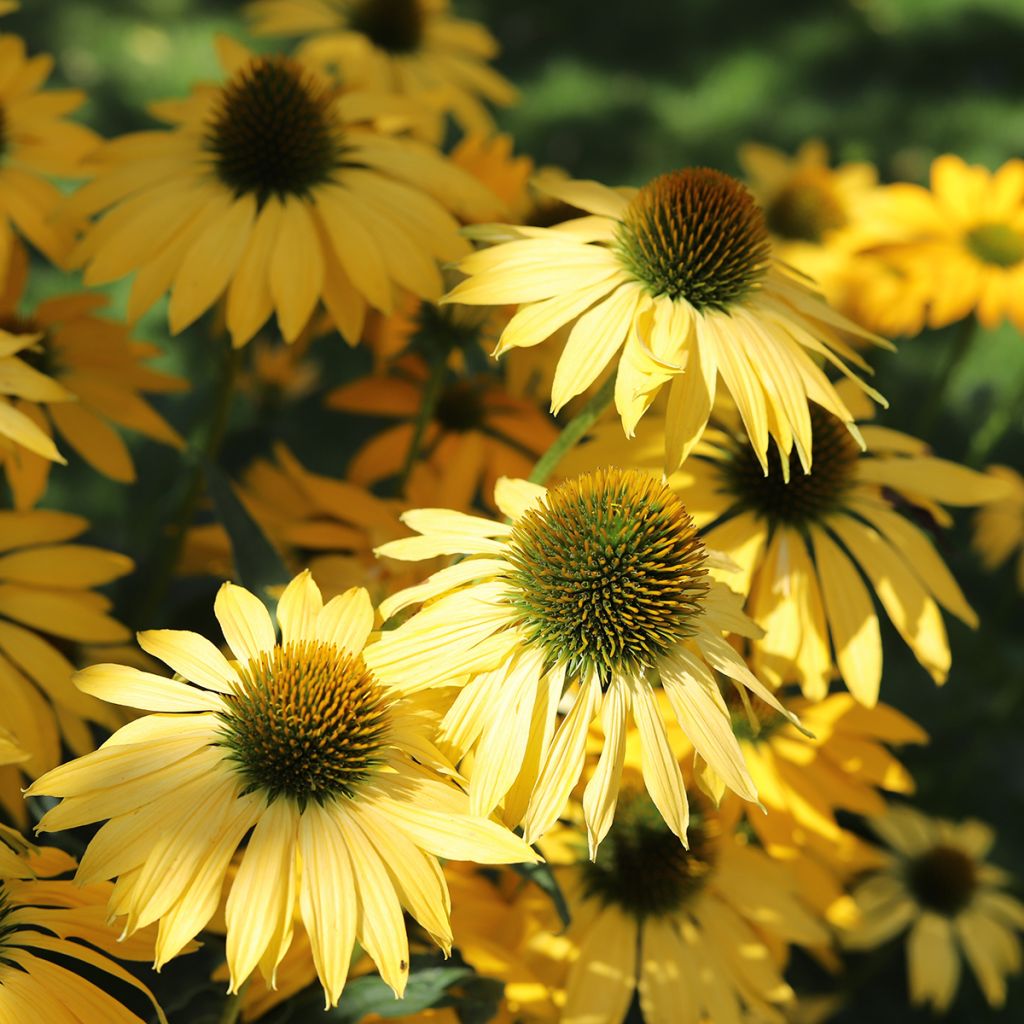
[621, 91]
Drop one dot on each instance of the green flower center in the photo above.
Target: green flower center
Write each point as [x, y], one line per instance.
[805, 210]
[753, 721]
[608, 571]
[642, 867]
[998, 244]
[805, 497]
[274, 132]
[392, 25]
[943, 879]
[460, 408]
[309, 723]
[697, 235]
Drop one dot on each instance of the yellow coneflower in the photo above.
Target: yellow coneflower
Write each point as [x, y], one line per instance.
[411, 47]
[597, 588]
[280, 190]
[478, 432]
[100, 374]
[46, 603]
[43, 915]
[697, 934]
[961, 242]
[938, 884]
[999, 526]
[805, 541]
[298, 741]
[35, 143]
[680, 276]
[314, 520]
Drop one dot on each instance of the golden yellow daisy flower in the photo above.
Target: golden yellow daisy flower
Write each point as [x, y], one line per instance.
[805, 542]
[587, 595]
[699, 934]
[938, 884]
[959, 245]
[100, 374]
[478, 432]
[411, 47]
[298, 741]
[35, 143]
[278, 189]
[43, 916]
[679, 275]
[999, 526]
[47, 605]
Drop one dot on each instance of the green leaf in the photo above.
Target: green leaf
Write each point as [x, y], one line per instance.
[257, 563]
[541, 876]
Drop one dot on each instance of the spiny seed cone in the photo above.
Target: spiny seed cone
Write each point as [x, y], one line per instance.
[943, 879]
[392, 25]
[274, 132]
[695, 234]
[309, 722]
[643, 868]
[608, 571]
[807, 497]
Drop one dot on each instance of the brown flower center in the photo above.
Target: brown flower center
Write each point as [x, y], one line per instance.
[805, 210]
[392, 25]
[943, 879]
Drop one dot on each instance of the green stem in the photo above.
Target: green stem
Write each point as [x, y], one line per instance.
[1000, 420]
[233, 1007]
[428, 405]
[957, 352]
[203, 448]
[574, 430]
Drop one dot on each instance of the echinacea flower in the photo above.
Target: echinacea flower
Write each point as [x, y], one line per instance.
[278, 189]
[596, 588]
[999, 526]
[679, 281]
[98, 375]
[411, 47]
[809, 543]
[939, 887]
[297, 742]
[35, 143]
[698, 934]
[43, 916]
[47, 603]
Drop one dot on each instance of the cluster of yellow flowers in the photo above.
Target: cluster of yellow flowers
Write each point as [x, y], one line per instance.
[633, 665]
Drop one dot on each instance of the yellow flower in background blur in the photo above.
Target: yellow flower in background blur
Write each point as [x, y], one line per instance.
[999, 526]
[315, 521]
[477, 433]
[43, 915]
[598, 588]
[98, 372]
[961, 243]
[47, 605]
[678, 280]
[937, 883]
[280, 190]
[35, 144]
[699, 934]
[298, 741]
[805, 541]
[410, 47]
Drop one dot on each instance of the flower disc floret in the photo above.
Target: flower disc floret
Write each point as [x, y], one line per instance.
[943, 879]
[273, 132]
[643, 868]
[308, 722]
[392, 25]
[796, 498]
[695, 234]
[996, 244]
[608, 571]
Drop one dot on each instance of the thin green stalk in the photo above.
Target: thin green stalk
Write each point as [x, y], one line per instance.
[957, 353]
[1000, 420]
[428, 405]
[233, 1007]
[573, 431]
[204, 448]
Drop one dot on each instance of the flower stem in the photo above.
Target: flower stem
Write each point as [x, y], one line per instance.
[957, 352]
[574, 430]
[1000, 420]
[203, 448]
[428, 405]
[233, 1007]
